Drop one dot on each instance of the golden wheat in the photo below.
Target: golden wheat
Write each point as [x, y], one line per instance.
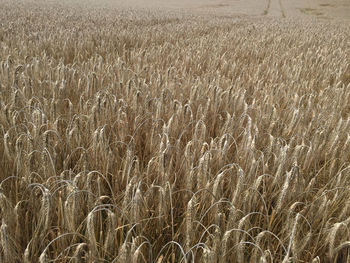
[136, 136]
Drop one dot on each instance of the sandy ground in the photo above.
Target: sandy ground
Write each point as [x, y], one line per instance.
[322, 9]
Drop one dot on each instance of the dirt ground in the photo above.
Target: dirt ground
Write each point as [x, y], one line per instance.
[322, 9]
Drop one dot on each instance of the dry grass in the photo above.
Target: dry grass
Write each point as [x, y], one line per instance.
[139, 137]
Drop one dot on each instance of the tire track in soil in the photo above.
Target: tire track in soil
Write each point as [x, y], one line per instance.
[274, 8]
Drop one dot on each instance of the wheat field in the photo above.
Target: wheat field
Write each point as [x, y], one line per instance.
[141, 136]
